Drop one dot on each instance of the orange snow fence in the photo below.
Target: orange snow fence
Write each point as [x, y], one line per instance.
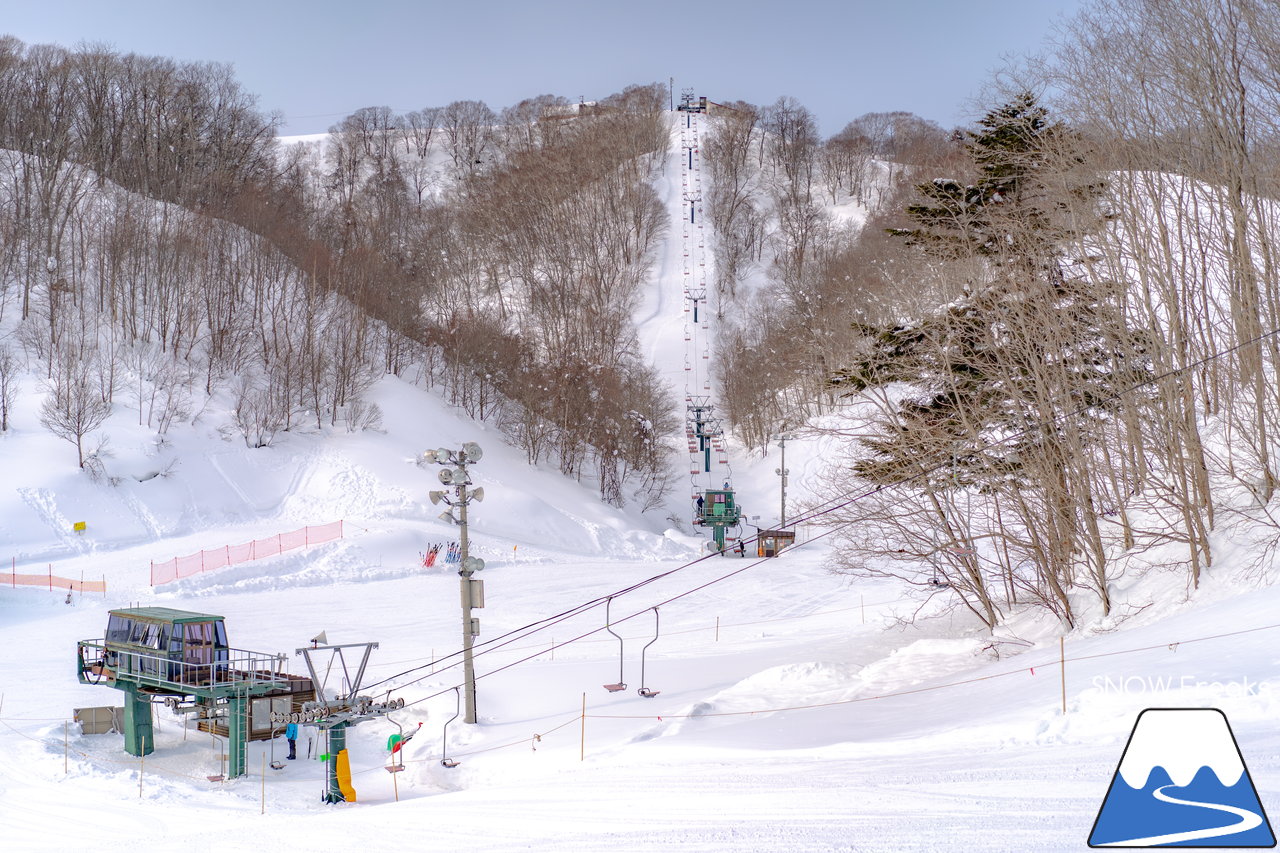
[49, 580]
[231, 555]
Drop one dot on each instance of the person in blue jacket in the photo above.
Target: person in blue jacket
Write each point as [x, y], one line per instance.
[291, 735]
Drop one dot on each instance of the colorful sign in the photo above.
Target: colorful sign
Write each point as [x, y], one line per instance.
[1181, 782]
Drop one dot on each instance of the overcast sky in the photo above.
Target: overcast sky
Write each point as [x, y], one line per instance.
[318, 61]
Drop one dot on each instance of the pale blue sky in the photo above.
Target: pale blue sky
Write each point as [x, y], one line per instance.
[317, 61]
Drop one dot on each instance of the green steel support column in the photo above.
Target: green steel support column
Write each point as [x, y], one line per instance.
[719, 536]
[337, 743]
[139, 736]
[237, 736]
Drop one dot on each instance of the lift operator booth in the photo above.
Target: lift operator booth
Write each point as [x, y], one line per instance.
[770, 542]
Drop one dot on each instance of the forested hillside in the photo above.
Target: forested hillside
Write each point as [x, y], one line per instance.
[1053, 343]
[1050, 336]
[158, 242]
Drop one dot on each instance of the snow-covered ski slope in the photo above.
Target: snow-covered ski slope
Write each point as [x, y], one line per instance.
[676, 323]
[796, 710]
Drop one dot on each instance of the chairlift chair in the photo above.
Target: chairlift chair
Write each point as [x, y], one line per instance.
[645, 691]
[446, 761]
[620, 685]
[275, 764]
[394, 766]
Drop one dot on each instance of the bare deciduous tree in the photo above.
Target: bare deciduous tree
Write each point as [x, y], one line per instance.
[75, 405]
[9, 384]
[468, 128]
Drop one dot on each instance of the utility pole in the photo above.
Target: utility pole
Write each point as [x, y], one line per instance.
[470, 626]
[782, 472]
[472, 590]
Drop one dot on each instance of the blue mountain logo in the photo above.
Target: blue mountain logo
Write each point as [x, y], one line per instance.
[1181, 782]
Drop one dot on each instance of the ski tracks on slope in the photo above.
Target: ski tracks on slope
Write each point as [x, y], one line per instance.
[331, 487]
[143, 515]
[45, 505]
[264, 505]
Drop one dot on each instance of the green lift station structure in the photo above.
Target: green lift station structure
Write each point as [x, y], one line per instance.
[719, 511]
[181, 658]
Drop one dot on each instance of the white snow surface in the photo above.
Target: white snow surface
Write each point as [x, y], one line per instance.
[1181, 741]
[798, 710]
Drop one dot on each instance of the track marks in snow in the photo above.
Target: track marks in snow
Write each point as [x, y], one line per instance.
[45, 505]
[139, 510]
[335, 488]
[271, 491]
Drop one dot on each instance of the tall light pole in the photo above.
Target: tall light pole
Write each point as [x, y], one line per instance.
[782, 472]
[472, 589]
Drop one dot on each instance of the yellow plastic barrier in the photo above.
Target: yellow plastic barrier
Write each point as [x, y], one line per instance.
[343, 770]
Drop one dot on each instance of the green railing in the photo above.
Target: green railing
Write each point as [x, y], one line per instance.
[225, 671]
